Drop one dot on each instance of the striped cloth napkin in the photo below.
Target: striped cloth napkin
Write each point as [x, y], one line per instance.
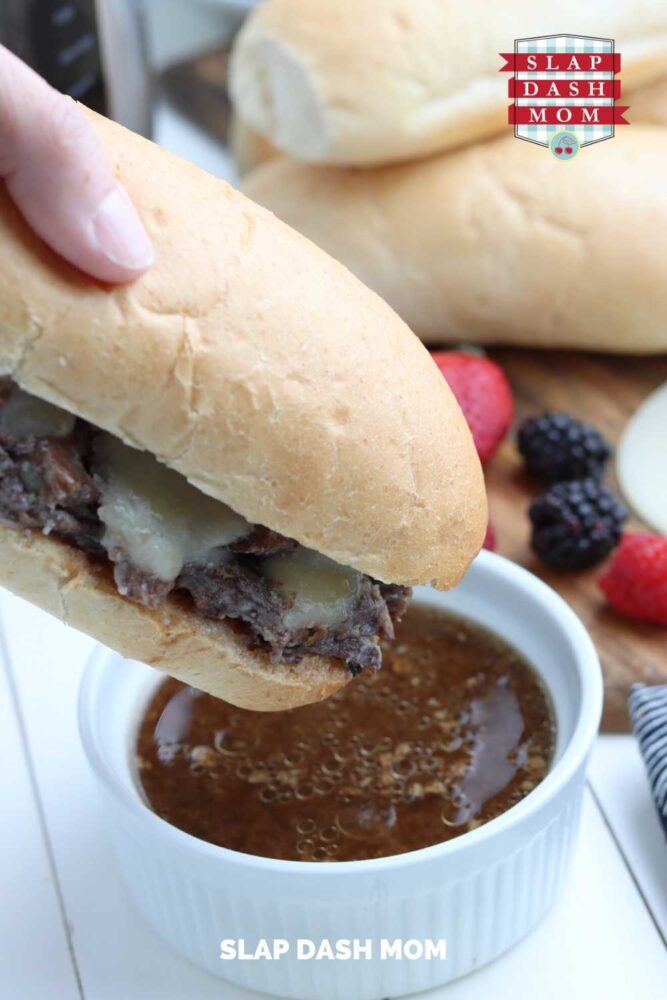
[648, 711]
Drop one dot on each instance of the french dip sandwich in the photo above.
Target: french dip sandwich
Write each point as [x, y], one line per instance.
[235, 467]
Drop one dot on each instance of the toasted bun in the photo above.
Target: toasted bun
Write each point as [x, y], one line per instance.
[501, 242]
[360, 83]
[255, 365]
[208, 655]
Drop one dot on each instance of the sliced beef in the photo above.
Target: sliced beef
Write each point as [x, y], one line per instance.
[354, 640]
[44, 484]
[133, 583]
[263, 542]
[236, 589]
[53, 485]
[396, 598]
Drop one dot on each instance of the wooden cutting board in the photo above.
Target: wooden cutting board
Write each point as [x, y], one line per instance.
[604, 390]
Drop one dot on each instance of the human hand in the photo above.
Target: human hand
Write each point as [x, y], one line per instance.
[58, 176]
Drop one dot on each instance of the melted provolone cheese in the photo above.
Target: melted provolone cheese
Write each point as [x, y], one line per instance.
[324, 590]
[155, 516]
[23, 415]
[160, 522]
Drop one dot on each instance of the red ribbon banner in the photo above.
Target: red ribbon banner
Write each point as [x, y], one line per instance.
[560, 115]
[588, 89]
[561, 62]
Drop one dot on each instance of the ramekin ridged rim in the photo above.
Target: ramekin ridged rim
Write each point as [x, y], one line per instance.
[583, 734]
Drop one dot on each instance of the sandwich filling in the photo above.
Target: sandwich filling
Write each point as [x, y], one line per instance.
[63, 476]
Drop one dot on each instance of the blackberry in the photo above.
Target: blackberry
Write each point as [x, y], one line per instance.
[576, 524]
[556, 447]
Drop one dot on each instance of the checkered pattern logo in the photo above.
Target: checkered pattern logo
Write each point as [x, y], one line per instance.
[585, 133]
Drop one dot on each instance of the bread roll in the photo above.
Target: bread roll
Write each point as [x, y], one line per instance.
[501, 242]
[260, 369]
[648, 105]
[362, 83]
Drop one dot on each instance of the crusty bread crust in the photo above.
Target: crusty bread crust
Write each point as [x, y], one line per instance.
[368, 82]
[500, 242]
[258, 367]
[209, 655]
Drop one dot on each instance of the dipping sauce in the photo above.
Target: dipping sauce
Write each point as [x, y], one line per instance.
[454, 730]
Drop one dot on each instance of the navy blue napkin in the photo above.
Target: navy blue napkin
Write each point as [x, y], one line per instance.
[648, 711]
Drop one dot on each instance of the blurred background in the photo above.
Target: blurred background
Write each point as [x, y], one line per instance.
[156, 66]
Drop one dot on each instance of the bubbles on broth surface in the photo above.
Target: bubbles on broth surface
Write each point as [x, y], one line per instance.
[393, 762]
[232, 744]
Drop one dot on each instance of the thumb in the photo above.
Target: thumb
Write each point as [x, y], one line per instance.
[59, 178]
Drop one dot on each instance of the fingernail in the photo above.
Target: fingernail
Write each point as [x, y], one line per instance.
[120, 233]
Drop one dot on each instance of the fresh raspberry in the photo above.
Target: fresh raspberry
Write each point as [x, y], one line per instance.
[636, 582]
[483, 393]
[489, 538]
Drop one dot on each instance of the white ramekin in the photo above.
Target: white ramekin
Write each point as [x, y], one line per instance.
[482, 892]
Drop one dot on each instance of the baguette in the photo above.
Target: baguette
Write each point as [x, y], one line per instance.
[344, 82]
[501, 242]
[648, 105]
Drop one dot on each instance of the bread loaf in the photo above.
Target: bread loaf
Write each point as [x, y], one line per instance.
[500, 242]
[371, 82]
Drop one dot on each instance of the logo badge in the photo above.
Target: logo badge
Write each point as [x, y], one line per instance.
[564, 90]
[564, 145]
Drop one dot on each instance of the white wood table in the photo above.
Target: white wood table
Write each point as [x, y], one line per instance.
[68, 929]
